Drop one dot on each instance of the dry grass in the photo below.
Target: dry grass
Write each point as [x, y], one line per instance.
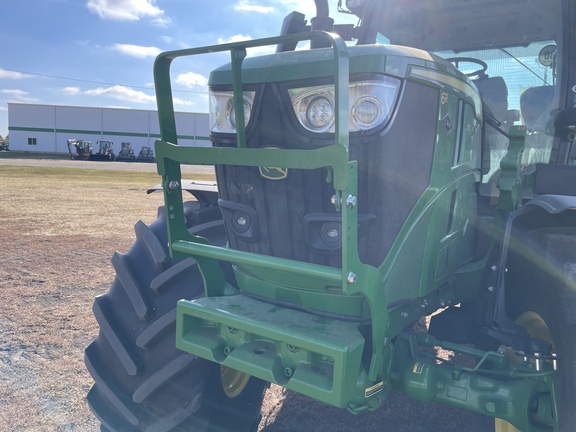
[58, 230]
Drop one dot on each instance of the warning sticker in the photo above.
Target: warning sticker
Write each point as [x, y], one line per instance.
[371, 391]
[447, 123]
[418, 367]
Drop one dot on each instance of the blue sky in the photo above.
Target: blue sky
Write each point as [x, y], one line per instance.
[101, 52]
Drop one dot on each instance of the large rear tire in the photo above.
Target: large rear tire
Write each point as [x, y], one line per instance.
[542, 298]
[142, 382]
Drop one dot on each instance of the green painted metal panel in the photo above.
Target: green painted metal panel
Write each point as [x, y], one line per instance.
[316, 356]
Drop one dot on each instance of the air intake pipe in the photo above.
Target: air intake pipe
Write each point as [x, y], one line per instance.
[322, 22]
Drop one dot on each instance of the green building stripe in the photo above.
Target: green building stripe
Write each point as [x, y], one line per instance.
[78, 131]
[132, 134]
[28, 129]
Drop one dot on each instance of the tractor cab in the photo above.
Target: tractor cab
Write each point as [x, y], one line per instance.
[515, 54]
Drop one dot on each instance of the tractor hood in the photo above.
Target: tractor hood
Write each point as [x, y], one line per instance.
[296, 65]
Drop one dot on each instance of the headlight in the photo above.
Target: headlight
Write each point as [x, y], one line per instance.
[370, 104]
[222, 117]
[315, 109]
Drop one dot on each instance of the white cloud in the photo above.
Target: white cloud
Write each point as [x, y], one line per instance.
[182, 102]
[136, 50]
[262, 50]
[245, 6]
[125, 10]
[235, 38]
[19, 95]
[162, 21]
[7, 74]
[122, 93]
[192, 79]
[71, 91]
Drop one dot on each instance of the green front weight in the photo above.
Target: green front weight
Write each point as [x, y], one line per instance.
[316, 356]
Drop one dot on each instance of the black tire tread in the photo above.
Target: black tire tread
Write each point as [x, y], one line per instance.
[128, 281]
[153, 246]
[158, 378]
[156, 329]
[115, 340]
[142, 382]
[174, 274]
[105, 387]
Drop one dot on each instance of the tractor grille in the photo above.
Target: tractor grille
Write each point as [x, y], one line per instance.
[293, 217]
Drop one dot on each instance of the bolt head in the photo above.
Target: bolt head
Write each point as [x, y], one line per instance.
[351, 277]
[174, 185]
[351, 201]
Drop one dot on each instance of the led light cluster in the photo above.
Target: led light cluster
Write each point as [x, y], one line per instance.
[370, 104]
[222, 115]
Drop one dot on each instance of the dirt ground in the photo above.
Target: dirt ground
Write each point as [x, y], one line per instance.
[57, 235]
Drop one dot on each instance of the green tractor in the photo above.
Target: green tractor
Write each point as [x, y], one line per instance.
[421, 161]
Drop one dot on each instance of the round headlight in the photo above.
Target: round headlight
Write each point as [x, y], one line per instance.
[231, 115]
[367, 112]
[320, 113]
[316, 112]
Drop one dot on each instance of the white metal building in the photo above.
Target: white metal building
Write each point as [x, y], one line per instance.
[45, 128]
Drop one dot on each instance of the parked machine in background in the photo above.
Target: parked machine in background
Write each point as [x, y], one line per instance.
[126, 153]
[146, 154]
[105, 151]
[420, 162]
[79, 149]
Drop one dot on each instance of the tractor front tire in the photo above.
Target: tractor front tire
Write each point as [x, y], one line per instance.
[142, 382]
[543, 300]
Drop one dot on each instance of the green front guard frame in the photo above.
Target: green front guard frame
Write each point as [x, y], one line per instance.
[354, 278]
